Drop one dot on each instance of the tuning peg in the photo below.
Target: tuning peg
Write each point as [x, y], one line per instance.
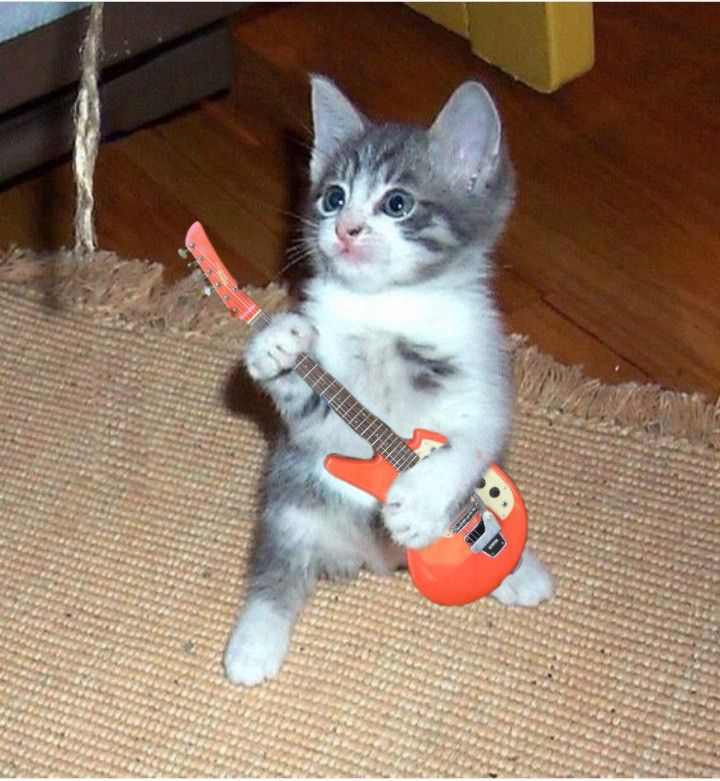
[208, 290]
[183, 253]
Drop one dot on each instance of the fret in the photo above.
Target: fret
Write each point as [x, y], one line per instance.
[360, 411]
[383, 439]
[356, 415]
[407, 460]
[346, 412]
[260, 322]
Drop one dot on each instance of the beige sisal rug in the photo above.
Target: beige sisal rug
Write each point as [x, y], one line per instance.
[130, 464]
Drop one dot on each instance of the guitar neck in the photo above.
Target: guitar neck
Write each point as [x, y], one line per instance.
[380, 436]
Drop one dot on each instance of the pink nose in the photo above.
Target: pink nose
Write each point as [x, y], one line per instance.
[346, 231]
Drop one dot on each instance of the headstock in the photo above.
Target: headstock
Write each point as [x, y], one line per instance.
[240, 306]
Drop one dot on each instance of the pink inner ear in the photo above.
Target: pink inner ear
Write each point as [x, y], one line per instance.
[464, 153]
[466, 134]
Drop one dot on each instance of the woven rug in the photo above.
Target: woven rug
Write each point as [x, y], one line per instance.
[131, 456]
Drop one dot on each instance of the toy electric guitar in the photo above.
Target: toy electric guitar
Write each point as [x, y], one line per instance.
[484, 541]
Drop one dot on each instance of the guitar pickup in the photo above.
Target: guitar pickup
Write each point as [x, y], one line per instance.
[463, 519]
[484, 535]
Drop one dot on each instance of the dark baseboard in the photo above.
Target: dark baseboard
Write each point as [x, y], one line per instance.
[152, 83]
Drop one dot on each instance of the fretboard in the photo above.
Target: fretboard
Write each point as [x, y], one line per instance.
[380, 436]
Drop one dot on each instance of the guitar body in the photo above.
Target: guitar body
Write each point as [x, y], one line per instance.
[450, 572]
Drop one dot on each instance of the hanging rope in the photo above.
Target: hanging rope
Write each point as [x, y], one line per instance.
[87, 134]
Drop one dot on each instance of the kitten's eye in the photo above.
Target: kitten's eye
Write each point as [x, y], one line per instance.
[398, 203]
[333, 199]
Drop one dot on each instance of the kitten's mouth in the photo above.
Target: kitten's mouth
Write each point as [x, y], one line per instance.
[353, 255]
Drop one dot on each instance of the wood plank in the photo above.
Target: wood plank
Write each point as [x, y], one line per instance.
[452, 16]
[236, 220]
[555, 334]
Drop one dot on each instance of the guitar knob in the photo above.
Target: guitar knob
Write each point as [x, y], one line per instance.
[183, 253]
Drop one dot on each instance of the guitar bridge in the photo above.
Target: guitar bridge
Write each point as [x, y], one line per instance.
[486, 536]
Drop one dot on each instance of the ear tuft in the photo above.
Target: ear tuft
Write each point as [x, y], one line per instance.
[335, 120]
[465, 137]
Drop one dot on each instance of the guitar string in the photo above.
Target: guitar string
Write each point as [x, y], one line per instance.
[407, 459]
[362, 421]
[382, 438]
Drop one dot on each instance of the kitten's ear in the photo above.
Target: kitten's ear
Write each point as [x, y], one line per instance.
[335, 120]
[465, 137]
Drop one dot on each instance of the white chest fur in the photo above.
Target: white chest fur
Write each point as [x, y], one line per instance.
[358, 343]
[420, 314]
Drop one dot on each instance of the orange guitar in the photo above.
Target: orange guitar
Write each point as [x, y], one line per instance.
[484, 541]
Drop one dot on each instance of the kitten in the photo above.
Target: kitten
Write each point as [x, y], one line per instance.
[400, 221]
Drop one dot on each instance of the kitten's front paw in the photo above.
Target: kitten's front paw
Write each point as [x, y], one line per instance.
[256, 649]
[528, 586]
[419, 503]
[276, 349]
[414, 519]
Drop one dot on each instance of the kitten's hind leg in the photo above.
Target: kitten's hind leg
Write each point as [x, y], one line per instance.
[280, 583]
[530, 584]
[385, 556]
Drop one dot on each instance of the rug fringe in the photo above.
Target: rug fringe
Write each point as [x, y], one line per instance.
[134, 293]
[540, 380]
[130, 291]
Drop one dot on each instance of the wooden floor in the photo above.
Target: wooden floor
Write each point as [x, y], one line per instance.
[612, 257]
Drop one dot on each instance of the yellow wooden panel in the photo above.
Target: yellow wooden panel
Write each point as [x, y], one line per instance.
[543, 45]
[454, 16]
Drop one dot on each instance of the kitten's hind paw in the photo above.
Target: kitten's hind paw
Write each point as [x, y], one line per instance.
[528, 586]
[256, 648]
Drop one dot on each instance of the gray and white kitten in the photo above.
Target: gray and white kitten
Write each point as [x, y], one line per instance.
[400, 221]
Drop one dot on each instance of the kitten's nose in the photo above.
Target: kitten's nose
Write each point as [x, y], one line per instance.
[345, 230]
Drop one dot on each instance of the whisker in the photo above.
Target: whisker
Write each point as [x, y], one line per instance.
[300, 242]
[292, 263]
[265, 204]
[306, 140]
[303, 220]
[299, 252]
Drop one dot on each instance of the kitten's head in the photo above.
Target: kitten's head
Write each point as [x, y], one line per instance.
[395, 204]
